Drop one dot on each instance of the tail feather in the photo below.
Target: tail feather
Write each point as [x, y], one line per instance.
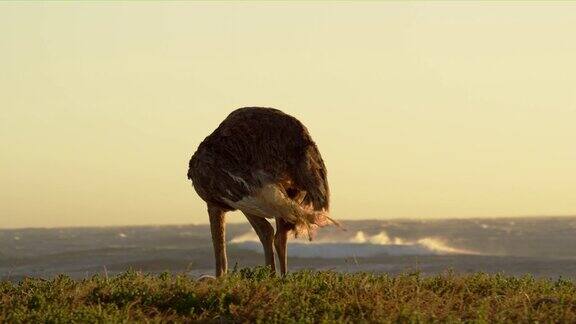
[272, 201]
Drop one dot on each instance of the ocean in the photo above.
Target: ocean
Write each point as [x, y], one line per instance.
[538, 246]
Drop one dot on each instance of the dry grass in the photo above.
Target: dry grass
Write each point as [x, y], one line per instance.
[252, 295]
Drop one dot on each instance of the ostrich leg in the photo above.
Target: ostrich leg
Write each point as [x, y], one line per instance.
[218, 229]
[280, 241]
[265, 232]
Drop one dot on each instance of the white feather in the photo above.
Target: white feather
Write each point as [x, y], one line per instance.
[238, 179]
[272, 201]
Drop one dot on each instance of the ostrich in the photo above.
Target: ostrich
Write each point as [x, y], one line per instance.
[264, 163]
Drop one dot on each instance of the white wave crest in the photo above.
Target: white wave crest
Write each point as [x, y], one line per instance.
[246, 237]
[360, 244]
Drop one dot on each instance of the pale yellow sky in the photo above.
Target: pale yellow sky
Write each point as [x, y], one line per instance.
[420, 109]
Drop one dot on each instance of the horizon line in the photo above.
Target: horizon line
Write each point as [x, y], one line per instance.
[246, 222]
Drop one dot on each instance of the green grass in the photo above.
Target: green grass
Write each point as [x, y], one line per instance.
[252, 295]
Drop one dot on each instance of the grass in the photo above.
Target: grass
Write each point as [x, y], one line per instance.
[252, 295]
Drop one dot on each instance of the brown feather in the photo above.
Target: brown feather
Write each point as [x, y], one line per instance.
[254, 147]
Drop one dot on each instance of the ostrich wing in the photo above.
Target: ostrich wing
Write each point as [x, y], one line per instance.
[310, 175]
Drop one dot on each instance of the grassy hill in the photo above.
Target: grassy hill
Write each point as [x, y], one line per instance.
[252, 295]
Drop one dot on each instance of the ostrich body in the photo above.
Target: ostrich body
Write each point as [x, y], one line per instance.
[264, 163]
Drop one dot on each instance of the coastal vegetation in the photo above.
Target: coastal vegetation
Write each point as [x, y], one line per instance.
[253, 295]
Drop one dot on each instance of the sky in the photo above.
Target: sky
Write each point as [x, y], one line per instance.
[420, 109]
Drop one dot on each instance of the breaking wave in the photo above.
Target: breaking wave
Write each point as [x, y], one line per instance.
[358, 245]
